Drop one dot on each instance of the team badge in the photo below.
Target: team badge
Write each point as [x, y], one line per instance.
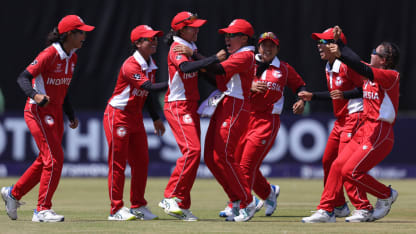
[49, 120]
[58, 68]
[187, 118]
[277, 74]
[338, 81]
[121, 131]
[137, 76]
[178, 57]
[34, 62]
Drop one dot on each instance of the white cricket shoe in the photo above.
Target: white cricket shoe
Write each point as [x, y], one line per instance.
[271, 201]
[188, 216]
[10, 202]
[360, 216]
[342, 211]
[245, 214]
[227, 211]
[171, 207]
[235, 211]
[143, 213]
[122, 214]
[320, 216]
[259, 203]
[383, 206]
[46, 216]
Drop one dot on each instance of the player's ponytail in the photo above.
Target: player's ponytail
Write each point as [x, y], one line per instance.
[169, 37]
[54, 36]
[392, 54]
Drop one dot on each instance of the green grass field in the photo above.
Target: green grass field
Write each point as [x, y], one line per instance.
[85, 204]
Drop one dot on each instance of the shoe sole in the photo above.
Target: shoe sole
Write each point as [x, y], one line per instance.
[48, 221]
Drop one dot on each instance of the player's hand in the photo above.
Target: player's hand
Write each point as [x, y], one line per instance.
[221, 55]
[305, 95]
[73, 123]
[337, 94]
[159, 127]
[41, 99]
[298, 107]
[334, 49]
[258, 87]
[183, 49]
[337, 32]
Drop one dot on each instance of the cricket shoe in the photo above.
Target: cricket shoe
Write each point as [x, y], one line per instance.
[245, 214]
[46, 216]
[360, 216]
[259, 203]
[320, 216]
[171, 207]
[227, 211]
[235, 211]
[143, 213]
[271, 201]
[383, 206]
[122, 214]
[10, 202]
[342, 211]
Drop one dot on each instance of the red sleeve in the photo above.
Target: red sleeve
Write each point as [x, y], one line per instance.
[176, 57]
[294, 80]
[237, 63]
[134, 75]
[386, 78]
[356, 78]
[41, 62]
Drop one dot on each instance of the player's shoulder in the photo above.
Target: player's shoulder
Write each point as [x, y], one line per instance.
[131, 66]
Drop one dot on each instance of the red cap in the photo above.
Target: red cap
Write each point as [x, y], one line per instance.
[186, 18]
[269, 36]
[72, 22]
[238, 26]
[327, 35]
[143, 31]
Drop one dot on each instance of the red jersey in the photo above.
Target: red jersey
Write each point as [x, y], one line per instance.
[341, 77]
[239, 72]
[52, 71]
[276, 77]
[182, 86]
[381, 97]
[134, 72]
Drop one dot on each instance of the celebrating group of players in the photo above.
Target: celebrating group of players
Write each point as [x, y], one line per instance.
[244, 112]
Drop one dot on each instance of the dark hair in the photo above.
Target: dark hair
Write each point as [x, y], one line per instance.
[54, 36]
[391, 53]
[169, 37]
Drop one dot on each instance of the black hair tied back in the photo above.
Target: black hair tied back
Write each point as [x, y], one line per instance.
[54, 36]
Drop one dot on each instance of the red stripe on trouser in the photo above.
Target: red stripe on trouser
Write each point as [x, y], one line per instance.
[46, 169]
[131, 148]
[371, 144]
[224, 131]
[185, 125]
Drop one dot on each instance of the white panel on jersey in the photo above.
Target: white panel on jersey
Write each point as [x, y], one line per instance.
[176, 89]
[234, 88]
[278, 106]
[39, 86]
[387, 112]
[355, 105]
[120, 101]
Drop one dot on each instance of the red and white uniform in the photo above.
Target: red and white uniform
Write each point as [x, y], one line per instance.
[349, 114]
[52, 73]
[264, 123]
[125, 133]
[228, 123]
[181, 104]
[372, 142]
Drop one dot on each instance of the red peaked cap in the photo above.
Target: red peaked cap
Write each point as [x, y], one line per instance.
[238, 26]
[186, 18]
[72, 22]
[269, 36]
[143, 31]
[327, 35]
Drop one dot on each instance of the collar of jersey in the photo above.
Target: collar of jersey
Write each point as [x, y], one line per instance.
[245, 48]
[335, 66]
[142, 62]
[182, 41]
[275, 62]
[61, 52]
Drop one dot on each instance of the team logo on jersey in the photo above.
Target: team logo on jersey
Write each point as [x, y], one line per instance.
[338, 81]
[58, 68]
[49, 120]
[178, 57]
[277, 74]
[187, 118]
[137, 76]
[121, 131]
[34, 62]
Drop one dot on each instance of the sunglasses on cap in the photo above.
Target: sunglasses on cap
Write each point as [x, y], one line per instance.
[191, 18]
[374, 52]
[231, 35]
[149, 39]
[323, 41]
[268, 35]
